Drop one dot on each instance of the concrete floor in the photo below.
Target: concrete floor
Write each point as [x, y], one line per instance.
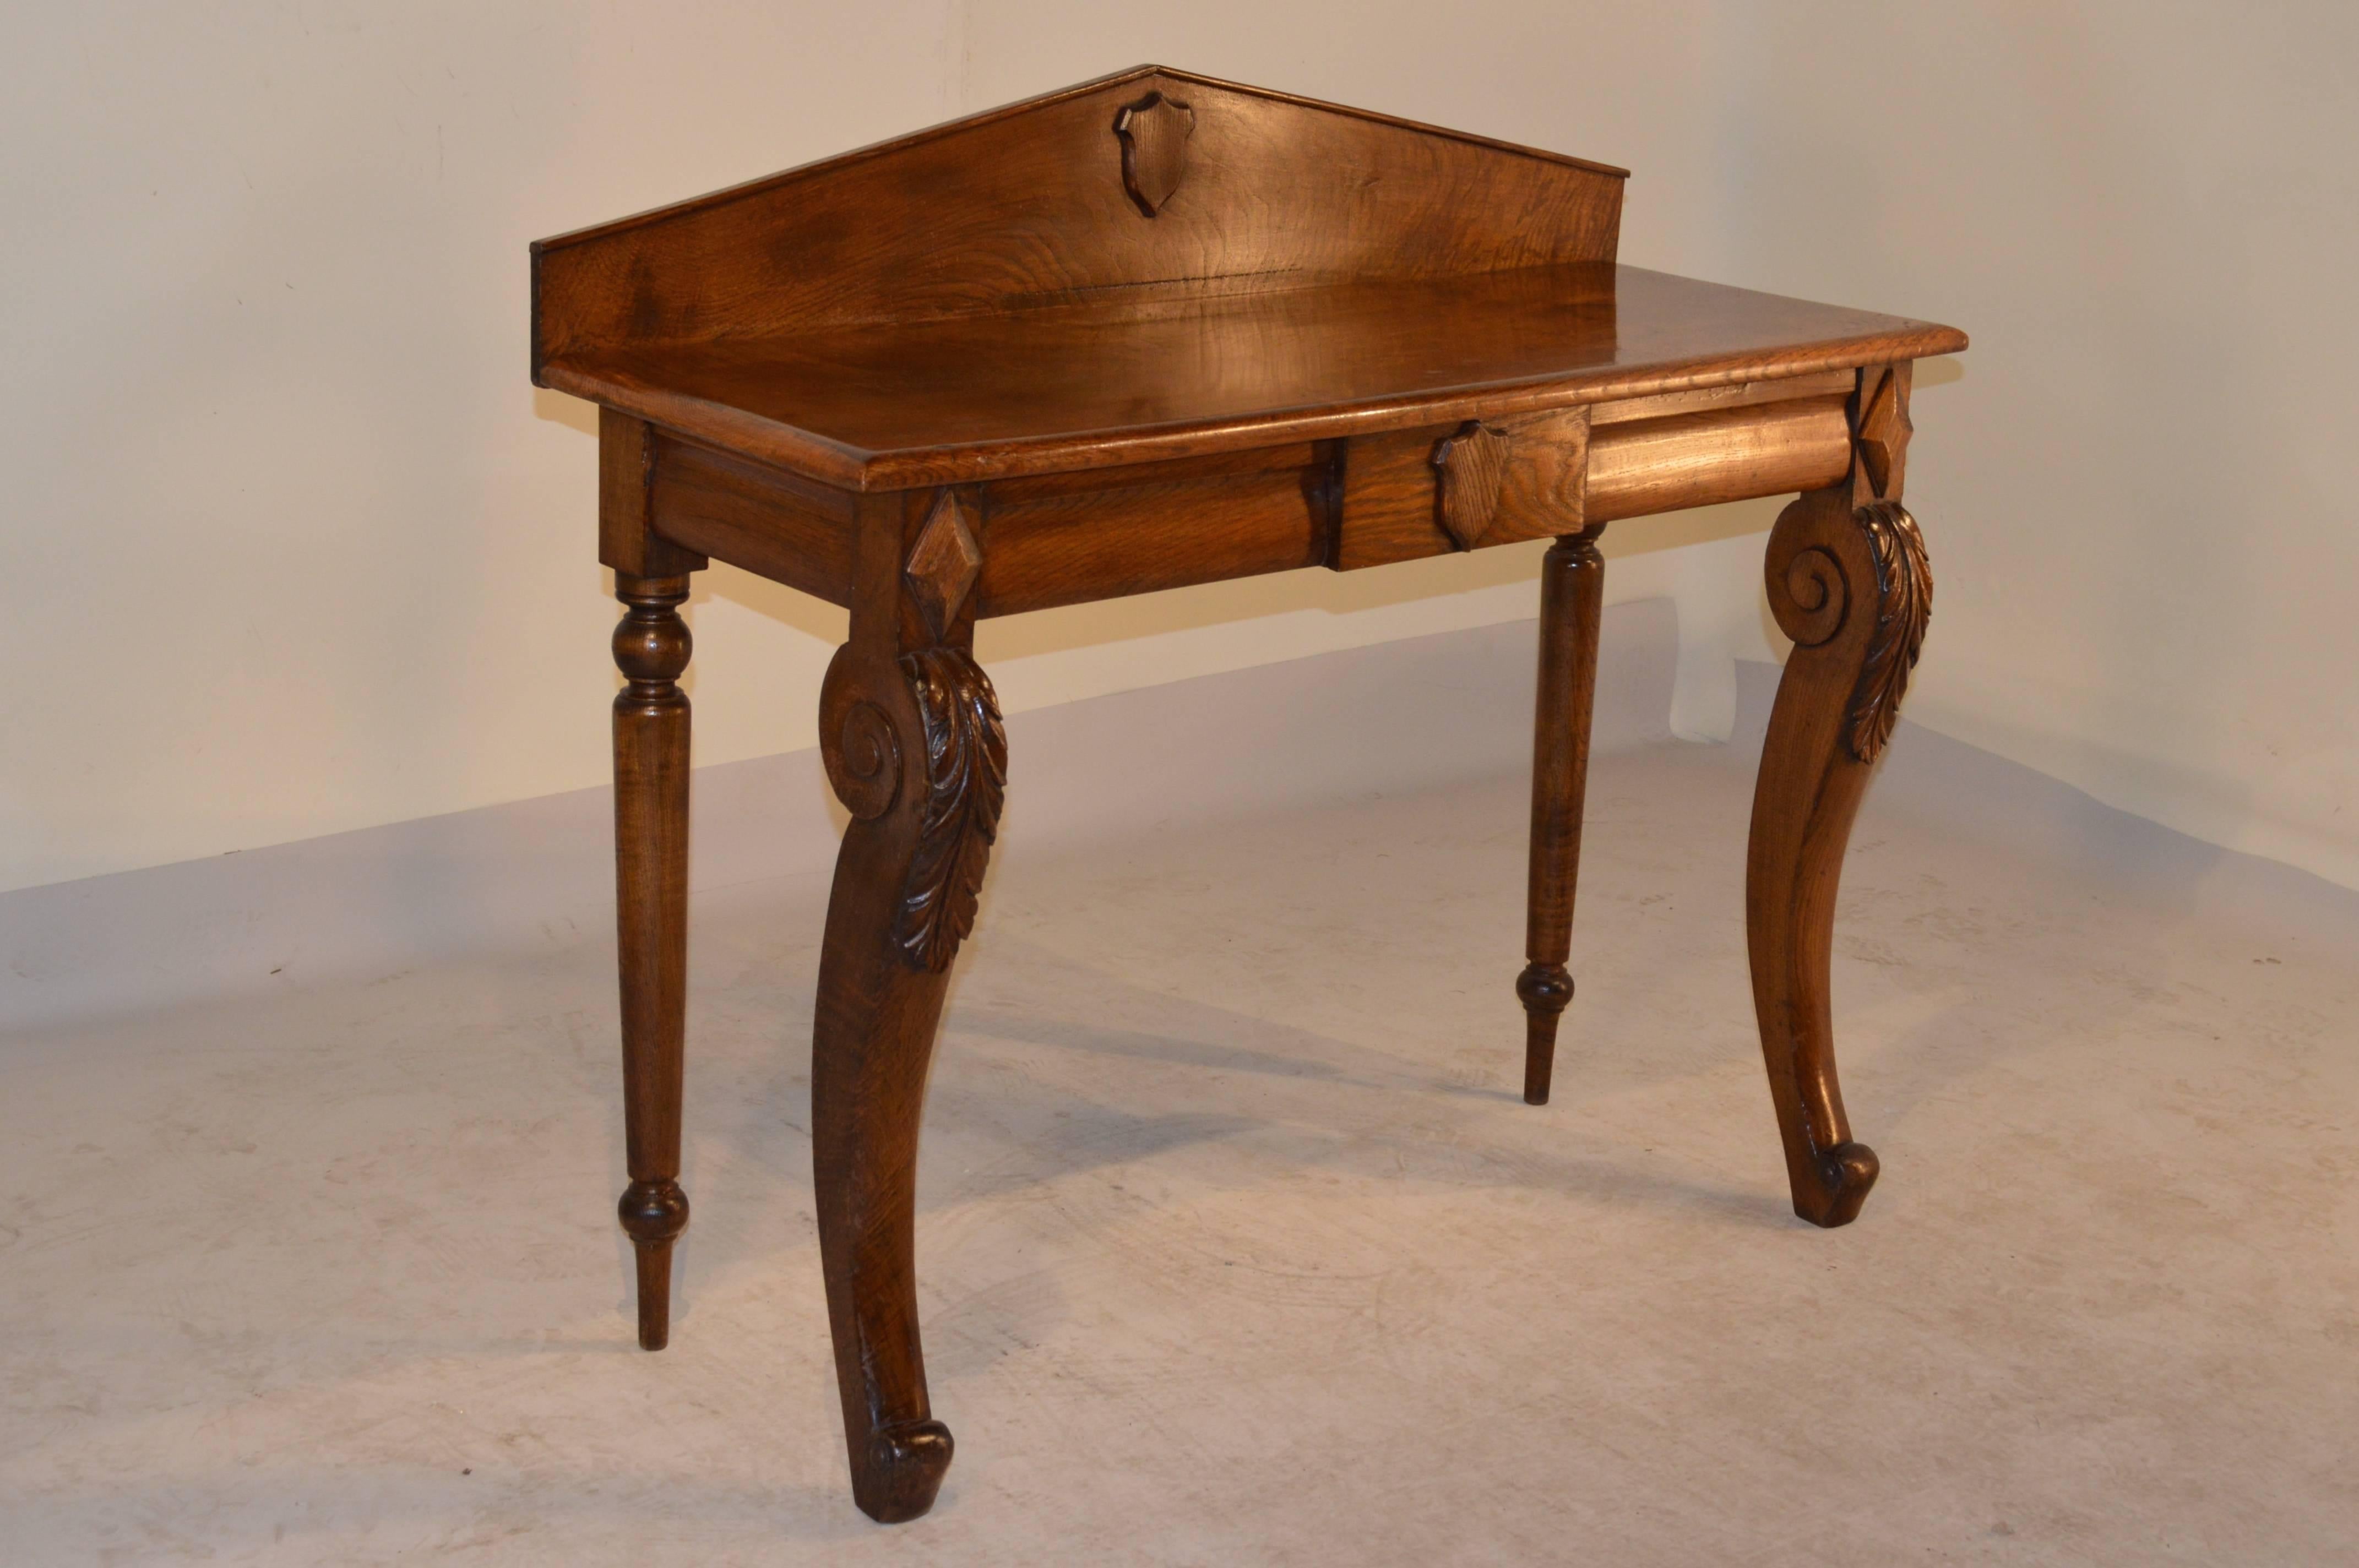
[1238, 1244]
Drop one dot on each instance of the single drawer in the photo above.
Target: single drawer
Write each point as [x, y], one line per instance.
[1731, 454]
[1409, 494]
[1070, 538]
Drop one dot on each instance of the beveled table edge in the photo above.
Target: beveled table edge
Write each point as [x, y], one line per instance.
[851, 468]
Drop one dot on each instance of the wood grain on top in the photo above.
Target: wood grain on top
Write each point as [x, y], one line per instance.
[997, 297]
[1027, 205]
[1110, 382]
[1180, 331]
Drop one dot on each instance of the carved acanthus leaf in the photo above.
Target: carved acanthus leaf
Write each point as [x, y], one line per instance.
[1904, 605]
[965, 785]
[1154, 134]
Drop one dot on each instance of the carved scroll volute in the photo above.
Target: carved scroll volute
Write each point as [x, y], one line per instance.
[1469, 467]
[1153, 134]
[860, 742]
[929, 741]
[916, 741]
[1859, 577]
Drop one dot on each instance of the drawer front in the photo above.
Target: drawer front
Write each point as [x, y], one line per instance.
[1071, 538]
[1409, 494]
[1702, 460]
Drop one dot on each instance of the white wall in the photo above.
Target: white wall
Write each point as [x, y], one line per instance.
[2140, 498]
[299, 548]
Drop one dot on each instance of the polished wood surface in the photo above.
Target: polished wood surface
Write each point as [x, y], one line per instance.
[1573, 602]
[1028, 205]
[628, 539]
[1717, 455]
[911, 734]
[1107, 382]
[651, 648]
[1069, 538]
[1394, 496]
[1150, 331]
[1848, 580]
[775, 524]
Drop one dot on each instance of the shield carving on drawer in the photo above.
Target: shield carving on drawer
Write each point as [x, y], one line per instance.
[1480, 482]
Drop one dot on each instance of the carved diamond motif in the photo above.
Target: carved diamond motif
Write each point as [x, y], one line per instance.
[1472, 466]
[944, 563]
[1154, 134]
[1883, 432]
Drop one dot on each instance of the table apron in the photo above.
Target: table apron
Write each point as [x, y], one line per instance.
[1703, 460]
[1074, 538]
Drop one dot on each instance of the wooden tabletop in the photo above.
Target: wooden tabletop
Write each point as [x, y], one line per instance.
[1154, 265]
[1145, 332]
[1105, 381]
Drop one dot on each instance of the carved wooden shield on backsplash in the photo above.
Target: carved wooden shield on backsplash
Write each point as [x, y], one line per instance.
[1154, 133]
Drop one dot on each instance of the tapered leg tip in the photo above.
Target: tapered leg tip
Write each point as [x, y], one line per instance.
[652, 1335]
[654, 1258]
[1546, 989]
[1540, 1060]
[1844, 1173]
[903, 1469]
[654, 1213]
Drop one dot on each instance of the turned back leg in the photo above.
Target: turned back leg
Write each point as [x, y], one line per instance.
[651, 647]
[1572, 587]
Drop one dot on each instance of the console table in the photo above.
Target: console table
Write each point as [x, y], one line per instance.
[1151, 331]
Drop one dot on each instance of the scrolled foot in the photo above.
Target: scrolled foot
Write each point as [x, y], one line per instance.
[904, 1467]
[915, 748]
[1846, 1173]
[1546, 990]
[1851, 584]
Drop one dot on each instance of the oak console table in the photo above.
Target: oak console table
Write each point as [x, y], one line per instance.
[1151, 331]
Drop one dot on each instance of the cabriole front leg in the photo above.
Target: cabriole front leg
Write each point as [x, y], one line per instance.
[915, 750]
[1851, 585]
